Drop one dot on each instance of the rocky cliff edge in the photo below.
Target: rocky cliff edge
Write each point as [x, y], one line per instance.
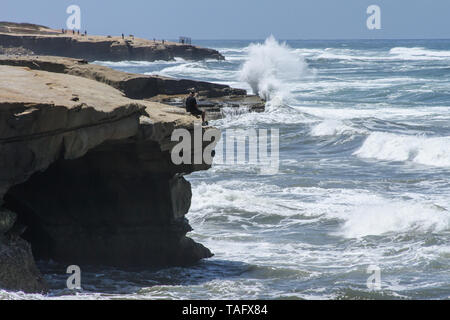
[87, 171]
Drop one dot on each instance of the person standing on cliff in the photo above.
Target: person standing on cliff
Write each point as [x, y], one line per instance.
[192, 107]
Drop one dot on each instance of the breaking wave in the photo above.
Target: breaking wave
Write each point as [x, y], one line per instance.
[128, 64]
[384, 216]
[418, 53]
[334, 128]
[271, 67]
[432, 151]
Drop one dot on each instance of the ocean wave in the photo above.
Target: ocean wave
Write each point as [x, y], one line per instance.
[271, 67]
[379, 111]
[232, 51]
[197, 70]
[276, 113]
[419, 53]
[132, 63]
[334, 128]
[432, 151]
[397, 53]
[376, 216]
[361, 212]
[345, 54]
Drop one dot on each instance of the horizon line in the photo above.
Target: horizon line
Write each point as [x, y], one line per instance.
[315, 39]
[263, 39]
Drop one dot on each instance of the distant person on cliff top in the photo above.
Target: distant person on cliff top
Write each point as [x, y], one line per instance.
[191, 107]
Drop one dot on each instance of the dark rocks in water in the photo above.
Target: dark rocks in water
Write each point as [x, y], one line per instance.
[17, 268]
[16, 231]
[7, 220]
[218, 107]
[45, 41]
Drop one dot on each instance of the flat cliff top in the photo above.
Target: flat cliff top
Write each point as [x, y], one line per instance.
[39, 87]
[67, 65]
[34, 103]
[26, 29]
[136, 86]
[48, 115]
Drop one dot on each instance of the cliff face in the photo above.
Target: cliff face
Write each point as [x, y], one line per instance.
[45, 41]
[88, 171]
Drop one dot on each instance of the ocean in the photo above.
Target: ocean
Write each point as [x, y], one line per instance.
[363, 181]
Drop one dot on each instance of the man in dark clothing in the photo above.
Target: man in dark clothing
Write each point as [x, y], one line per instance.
[191, 106]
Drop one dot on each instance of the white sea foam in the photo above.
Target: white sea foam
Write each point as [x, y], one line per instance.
[419, 53]
[270, 67]
[346, 54]
[379, 111]
[362, 212]
[198, 70]
[397, 53]
[126, 63]
[232, 51]
[334, 128]
[432, 151]
[376, 215]
[275, 114]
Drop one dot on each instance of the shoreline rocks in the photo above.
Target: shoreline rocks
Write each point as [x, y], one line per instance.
[7, 220]
[17, 267]
[18, 270]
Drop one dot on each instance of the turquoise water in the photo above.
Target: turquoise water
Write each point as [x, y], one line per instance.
[364, 178]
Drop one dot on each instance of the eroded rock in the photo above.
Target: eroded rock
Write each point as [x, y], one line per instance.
[7, 220]
[17, 268]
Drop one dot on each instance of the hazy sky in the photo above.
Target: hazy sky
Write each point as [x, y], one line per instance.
[241, 19]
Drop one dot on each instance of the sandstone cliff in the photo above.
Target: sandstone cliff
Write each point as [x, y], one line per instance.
[88, 170]
[41, 40]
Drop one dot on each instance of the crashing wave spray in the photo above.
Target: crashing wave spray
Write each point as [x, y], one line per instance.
[270, 67]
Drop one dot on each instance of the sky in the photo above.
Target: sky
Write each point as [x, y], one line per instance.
[241, 19]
